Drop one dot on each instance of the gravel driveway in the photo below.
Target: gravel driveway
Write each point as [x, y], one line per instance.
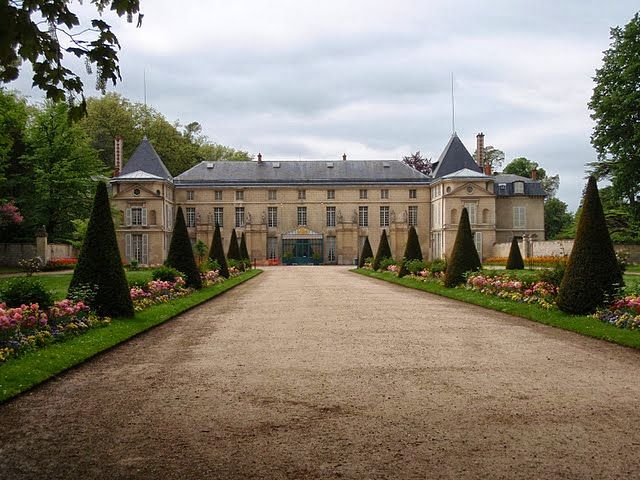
[316, 372]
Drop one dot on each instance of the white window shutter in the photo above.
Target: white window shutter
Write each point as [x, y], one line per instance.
[127, 247]
[145, 249]
[127, 217]
[523, 215]
[144, 217]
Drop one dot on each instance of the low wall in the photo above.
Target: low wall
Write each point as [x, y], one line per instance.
[12, 253]
[558, 248]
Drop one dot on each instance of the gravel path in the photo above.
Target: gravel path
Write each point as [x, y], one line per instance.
[315, 372]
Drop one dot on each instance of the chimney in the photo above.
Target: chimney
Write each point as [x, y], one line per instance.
[487, 169]
[534, 174]
[480, 149]
[344, 157]
[117, 155]
[259, 158]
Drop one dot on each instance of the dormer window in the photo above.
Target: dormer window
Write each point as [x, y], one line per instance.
[518, 188]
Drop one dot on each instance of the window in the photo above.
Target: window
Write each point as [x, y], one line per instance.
[331, 194]
[477, 240]
[273, 194]
[272, 248]
[331, 216]
[384, 193]
[363, 193]
[137, 248]
[217, 195]
[272, 216]
[363, 216]
[519, 217]
[518, 188]
[191, 217]
[218, 216]
[137, 216]
[302, 215]
[190, 195]
[302, 194]
[413, 215]
[239, 216]
[384, 216]
[471, 210]
[413, 193]
[136, 191]
[239, 194]
[169, 213]
[331, 249]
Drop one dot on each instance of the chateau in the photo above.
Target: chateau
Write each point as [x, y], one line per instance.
[321, 211]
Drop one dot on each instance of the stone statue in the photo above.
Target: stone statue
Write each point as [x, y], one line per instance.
[393, 216]
[263, 218]
[403, 216]
[248, 218]
[198, 218]
[340, 216]
[354, 217]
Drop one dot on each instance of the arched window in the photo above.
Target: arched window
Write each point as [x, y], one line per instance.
[454, 216]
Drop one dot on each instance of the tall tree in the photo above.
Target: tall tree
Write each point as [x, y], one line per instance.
[180, 255]
[100, 265]
[418, 162]
[216, 252]
[556, 217]
[30, 33]
[523, 166]
[492, 156]
[615, 104]
[592, 272]
[61, 164]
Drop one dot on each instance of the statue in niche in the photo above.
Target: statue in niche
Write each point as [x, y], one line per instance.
[248, 218]
[354, 217]
[263, 218]
[198, 218]
[403, 216]
[392, 215]
[340, 216]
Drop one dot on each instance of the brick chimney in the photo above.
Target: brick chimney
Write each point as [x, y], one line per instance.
[259, 158]
[480, 149]
[534, 174]
[117, 152]
[344, 156]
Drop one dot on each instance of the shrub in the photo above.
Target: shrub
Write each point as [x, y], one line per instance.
[210, 266]
[133, 265]
[592, 274]
[384, 251]
[244, 253]
[464, 257]
[216, 252]
[165, 273]
[438, 266]
[515, 262]
[234, 252]
[82, 293]
[385, 263]
[365, 254]
[180, 254]
[31, 265]
[25, 291]
[412, 251]
[415, 266]
[100, 264]
[553, 275]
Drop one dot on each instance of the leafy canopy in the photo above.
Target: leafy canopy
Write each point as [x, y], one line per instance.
[523, 166]
[42, 32]
[418, 162]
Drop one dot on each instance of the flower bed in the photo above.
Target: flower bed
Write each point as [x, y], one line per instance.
[158, 291]
[60, 264]
[539, 261]
[27, 327]
[623, 313]
[503, 286]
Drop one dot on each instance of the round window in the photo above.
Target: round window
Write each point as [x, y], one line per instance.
[136, 191]
[448, 189]
[469, 189]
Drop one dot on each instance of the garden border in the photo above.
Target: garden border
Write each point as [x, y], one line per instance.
[581, 324]
[21, 374]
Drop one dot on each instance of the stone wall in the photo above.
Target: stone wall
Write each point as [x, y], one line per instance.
[557, 248]
[12, 253]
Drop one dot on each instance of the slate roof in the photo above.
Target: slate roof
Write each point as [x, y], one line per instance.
[146, 159]
[466, 173]
[139, 175]
[454, 157]
[531, 187]
[301, 172]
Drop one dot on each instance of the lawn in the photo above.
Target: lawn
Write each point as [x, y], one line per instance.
[584, 325]
[58, 283]
[22, 373]
[633, 268]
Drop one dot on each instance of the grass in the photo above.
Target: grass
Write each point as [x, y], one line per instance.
[584, 325]
[23, 373]
[633, 268]
[58, 283]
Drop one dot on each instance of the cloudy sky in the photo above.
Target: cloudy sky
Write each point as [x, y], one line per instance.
[307, 79]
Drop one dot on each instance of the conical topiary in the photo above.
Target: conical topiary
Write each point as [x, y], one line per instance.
[464, 257]
[244, 252]
[234, 251]
[515, 261]
[100, 265]
[216, 252]
[384, 251]
[180, 254]
[592, 273]
[366, 252]
[412, 251]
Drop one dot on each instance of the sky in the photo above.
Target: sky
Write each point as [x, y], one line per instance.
[311, 80]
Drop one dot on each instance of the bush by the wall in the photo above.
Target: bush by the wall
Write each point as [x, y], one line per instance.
[366, 253]
[216, 252]
[464, 257]
[166, 274]
[384, 251]
[180, 254]
[25, 291]
[100, 264]
[515, 261]
[592, 274]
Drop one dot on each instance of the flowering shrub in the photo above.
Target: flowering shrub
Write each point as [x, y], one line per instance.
[27, 327]
[393, 268]
[502, 286]
[212, 277]
[623, 313]
[9, 214]
[157, 291]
